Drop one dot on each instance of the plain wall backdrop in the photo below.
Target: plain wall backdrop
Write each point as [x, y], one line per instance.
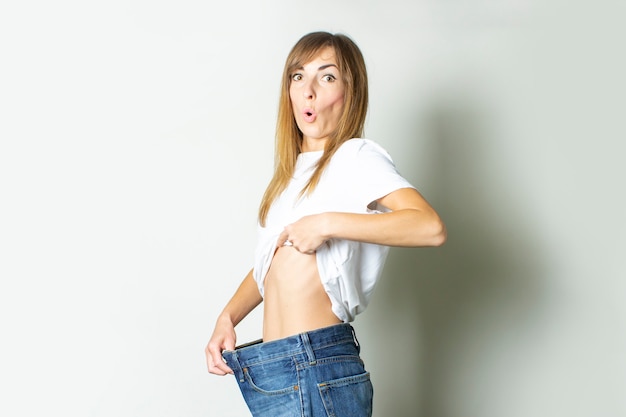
[136, 139]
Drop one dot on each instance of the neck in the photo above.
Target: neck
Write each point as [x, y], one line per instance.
[312, 145]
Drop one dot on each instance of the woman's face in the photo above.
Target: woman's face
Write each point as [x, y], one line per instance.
[317, 98]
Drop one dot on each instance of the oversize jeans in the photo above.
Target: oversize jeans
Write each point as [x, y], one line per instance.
[313, 374]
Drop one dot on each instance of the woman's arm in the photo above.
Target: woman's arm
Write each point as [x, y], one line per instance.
[412, 222]
[246, 298]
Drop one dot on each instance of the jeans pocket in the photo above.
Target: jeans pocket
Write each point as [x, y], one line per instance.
[272, 378]
[271, 389]
[350, 396]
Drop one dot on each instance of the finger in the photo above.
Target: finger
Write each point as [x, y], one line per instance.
[219, 367]
[216, 363]
[229, 344]
[307, 248]
[219, 362]
[282, 238]
[210, 363]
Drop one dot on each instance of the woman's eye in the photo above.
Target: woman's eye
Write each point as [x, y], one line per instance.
[329, 78]
[296, 77]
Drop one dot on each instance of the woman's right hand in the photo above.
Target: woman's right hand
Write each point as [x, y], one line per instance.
[223, 338]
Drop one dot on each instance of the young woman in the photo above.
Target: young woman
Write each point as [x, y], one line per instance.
[333, 207]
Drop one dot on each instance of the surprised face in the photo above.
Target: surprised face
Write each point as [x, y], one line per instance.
[317, 98]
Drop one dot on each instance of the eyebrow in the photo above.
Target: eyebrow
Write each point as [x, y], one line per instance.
[322, 68]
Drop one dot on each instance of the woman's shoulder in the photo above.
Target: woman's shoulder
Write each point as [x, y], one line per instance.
[360, 147]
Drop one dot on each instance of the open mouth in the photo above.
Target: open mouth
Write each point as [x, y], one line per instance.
[309, 115]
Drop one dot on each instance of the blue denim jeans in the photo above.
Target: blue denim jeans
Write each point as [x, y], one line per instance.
[313, 374]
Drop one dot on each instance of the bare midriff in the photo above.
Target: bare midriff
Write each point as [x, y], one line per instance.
[294, 299]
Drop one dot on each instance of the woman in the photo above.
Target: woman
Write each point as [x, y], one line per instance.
[333, 207]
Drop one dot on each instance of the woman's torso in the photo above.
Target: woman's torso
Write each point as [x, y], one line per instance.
[295, 300]
[298, 288]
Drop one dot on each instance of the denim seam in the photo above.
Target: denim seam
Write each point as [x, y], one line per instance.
[296, 352]
[272, 358]
[339, 382]
[341, 358]
[329, 360]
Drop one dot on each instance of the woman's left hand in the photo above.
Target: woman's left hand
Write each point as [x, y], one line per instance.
[305, 235]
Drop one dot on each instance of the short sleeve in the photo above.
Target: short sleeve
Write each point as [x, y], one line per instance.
[376, 175]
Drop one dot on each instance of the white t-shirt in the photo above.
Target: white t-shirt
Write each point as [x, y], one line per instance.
[359, 173]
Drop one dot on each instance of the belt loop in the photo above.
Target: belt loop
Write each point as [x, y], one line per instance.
[308, 348]
[234, 364]
[356, 342]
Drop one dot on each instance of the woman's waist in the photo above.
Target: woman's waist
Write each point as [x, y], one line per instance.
[324, 341]
[289, 309]
[295, 301]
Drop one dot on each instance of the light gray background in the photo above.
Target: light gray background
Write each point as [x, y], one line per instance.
[136, 141]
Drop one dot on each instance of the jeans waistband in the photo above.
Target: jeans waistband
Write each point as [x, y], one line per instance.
[306, 342]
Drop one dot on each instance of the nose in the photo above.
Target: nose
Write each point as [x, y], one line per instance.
[309, 90]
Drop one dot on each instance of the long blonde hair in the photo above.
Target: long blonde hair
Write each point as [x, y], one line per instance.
[289, 138]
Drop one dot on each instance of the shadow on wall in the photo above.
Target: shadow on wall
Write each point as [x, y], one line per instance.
[460, 307]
